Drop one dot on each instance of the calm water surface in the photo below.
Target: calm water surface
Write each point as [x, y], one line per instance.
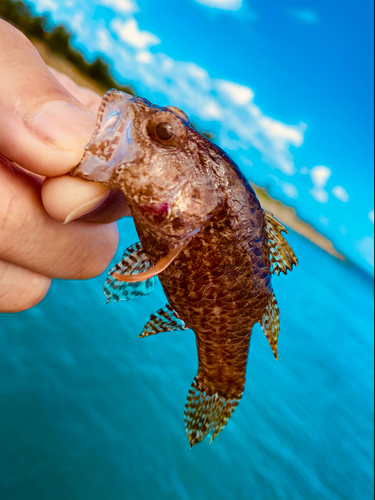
[89, 411]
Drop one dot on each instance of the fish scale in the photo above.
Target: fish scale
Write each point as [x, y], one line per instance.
[222, 341]
[203, 232]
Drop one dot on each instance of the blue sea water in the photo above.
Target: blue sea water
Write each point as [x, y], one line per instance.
[89, 411]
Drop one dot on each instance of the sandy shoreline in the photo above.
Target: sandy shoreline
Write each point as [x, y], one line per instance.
[288, 217]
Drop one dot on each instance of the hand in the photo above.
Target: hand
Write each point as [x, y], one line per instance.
[45, 122]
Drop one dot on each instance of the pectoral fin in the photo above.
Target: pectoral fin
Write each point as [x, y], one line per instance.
[270, 323]
[281, 254]
[164, 320]
[134, 261]
[157, 269]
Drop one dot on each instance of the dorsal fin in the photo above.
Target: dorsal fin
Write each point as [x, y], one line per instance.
[270, 323]
[280, 252]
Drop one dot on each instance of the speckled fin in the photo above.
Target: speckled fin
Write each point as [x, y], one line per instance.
[158, 268]
[270, 323]
[206, 414]
[134, 261]
[164, 320]
[281, 254]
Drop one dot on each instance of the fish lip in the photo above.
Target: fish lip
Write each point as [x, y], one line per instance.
[111, 140]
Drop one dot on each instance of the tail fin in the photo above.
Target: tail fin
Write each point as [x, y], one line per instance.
[206, 414]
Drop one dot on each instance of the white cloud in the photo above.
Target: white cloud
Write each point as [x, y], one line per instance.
[340, 193]
[78, 23]
[371, 216]
[245, 160]
[238, 94]
[45, 5]
[324, 220]
[320, 195]
[212, 110]
[222, 4]
[144, 57]
[365, 247]
[242, 124]
[197, 71]
[320, 175]
[280, 137]
[289, 189]
[104, 39]
[130, 33]
[307, 16]
[123, 6]
[279, 130]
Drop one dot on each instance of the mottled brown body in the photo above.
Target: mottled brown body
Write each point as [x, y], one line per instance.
[220, 286]
[189, 199]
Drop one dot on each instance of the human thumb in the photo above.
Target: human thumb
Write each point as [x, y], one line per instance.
[43, 127]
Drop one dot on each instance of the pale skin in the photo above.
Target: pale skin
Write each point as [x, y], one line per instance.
[45, 122]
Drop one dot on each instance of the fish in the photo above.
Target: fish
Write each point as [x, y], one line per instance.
[203, 232]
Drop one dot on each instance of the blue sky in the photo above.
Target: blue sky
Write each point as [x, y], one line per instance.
[286, 87]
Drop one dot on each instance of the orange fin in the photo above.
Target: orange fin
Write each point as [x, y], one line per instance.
[157, 269]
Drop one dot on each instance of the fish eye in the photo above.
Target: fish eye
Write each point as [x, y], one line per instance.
[166, 129]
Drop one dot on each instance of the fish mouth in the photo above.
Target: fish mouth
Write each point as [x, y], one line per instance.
[111, 141]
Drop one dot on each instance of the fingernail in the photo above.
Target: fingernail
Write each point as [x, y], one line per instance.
[61, 125]
[88, 207]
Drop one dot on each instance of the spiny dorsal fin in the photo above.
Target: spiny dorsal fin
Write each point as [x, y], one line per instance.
[270, 323]
[280, 254]
[134, 261]
[164, 320]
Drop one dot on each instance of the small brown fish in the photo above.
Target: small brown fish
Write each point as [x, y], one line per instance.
[203, 231]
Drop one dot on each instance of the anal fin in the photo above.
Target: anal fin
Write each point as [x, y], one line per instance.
[134, 261]
[270, 323]
[163, 320]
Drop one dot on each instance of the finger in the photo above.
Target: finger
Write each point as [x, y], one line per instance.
[43, 127]
[30, 238]
[69, 198]
[86, 96]
[20, 288]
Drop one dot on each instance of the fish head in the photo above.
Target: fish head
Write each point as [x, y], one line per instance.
[158, 161]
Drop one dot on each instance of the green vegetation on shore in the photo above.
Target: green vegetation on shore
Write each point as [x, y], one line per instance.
[58, 39]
